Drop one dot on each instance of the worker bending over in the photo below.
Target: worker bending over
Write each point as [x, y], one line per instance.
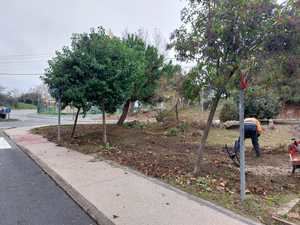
[253, 130]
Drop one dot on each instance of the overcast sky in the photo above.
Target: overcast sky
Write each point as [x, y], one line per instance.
[32, 30]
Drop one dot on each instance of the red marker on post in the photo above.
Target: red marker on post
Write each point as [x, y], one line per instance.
[243, 82]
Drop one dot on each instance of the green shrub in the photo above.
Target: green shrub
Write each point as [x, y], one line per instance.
[134, 124]
[229, 111]
[258, 101]
[183, 126]
[261, 103]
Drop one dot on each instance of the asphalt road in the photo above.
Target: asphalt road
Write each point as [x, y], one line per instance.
[29, 197]
[28, 118]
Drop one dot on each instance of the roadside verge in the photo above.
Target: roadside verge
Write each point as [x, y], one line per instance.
[115, 195]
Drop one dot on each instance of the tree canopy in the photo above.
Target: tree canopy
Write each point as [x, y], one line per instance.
[223, 37]
[98, 69]
[281, 61]
[153, 67]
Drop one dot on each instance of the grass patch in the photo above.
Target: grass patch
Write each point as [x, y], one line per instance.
[21, 105]
[51, 113]
[278, 138]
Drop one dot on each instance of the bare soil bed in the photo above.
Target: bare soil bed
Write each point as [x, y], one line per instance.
[294, 214]
[151, 150]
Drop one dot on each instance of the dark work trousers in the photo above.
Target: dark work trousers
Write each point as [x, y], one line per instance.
[251, 132]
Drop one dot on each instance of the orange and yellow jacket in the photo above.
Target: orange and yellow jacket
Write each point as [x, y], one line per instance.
[256, 122]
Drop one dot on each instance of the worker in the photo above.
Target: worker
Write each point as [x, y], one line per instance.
[253, 130]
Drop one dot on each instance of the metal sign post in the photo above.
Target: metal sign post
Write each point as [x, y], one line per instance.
[242, 146]
[243, 86]
[59, 120]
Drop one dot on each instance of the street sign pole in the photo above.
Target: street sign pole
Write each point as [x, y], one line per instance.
[59, 119]
[242, 146]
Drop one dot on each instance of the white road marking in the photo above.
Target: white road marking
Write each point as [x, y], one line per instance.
[4, 144]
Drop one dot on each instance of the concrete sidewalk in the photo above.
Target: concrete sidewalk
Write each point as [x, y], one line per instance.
[115, 195]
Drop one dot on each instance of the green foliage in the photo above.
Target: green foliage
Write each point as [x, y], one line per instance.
[192, 85]
[135, 124]
[224, 38]
[113, 67]
[152, 66]
[225, 35]
[21, 105]
[98, 69]
[258, 101]
[229, 111]
[261, 103]
[173, 131]
[204, 183]
[280, 68]
[58, 74]
[183, 126]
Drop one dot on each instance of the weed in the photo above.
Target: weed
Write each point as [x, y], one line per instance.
[204, 183]
[173, 131]
[135, 124]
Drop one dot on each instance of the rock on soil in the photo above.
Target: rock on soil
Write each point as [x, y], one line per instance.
[231, 124]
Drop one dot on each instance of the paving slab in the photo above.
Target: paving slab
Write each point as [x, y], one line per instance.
[120, 195]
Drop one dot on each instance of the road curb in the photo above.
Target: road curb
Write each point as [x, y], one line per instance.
[87, 206]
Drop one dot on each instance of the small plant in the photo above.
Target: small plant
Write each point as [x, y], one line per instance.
[108, 147]
[173, 131]
[203, 183]
[134, 124]
[183, 126]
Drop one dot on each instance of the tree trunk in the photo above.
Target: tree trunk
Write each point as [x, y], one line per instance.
[176, 111]
[104, 126]
[75, 122]
[209, 122]
[206, 132]
[131, 108]
[124, 113]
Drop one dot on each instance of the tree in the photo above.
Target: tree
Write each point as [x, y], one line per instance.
[76, 95]
[31, 97]
[147, 80]
[57, 77]
[7, 98]
[281, 64]
[222, 37]
[113, 67]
